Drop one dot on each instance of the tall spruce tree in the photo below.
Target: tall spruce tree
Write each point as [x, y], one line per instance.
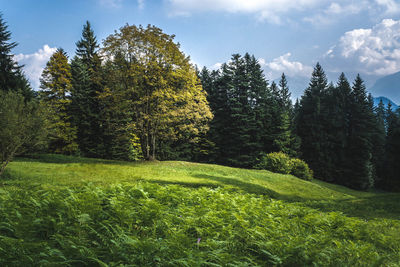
[55, 94]
[86, 85]
[239, 98]
[241, 117]
[338, 108]
[285, 139]
[310, 121]
[11, 76]
[390, 178]
[217, 96]
[378, 139]
[360, 175]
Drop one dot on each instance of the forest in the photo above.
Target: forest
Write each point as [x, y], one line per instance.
[137, 96]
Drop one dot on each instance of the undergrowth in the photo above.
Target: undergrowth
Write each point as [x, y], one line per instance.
[68, 211]
[146, 224]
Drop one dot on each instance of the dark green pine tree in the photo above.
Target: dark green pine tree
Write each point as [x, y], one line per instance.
[286, 140]
[87, 84]
[239, 147]
[338, 108]
[391, 179]
[284, 93]
[360, 175]
[258, 112]
[237, 97]
[270, 118]
[378, 139]
[11, 76]
[310, 121]
[217, 95]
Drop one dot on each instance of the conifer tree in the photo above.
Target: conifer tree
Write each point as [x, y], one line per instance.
[11, 76]
[285, 140]
[55, 94]
[310, 120]
[338, 108]
[217, 95]
[390, 178]
[86, 86]
[378, 139]
[360, 175]
[240, 101]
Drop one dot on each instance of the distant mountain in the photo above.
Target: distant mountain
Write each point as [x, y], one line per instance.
[389, 86]
[385, 101]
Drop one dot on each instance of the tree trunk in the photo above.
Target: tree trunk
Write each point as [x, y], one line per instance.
[154, 146]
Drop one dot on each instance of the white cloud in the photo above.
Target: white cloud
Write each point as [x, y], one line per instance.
[283, 64]
[317, 12]
[336, 10]
[270, 10]
[35, 63]
[391, 7]
[371, 51]
[140, 4]
[216, 66]
[112, 3]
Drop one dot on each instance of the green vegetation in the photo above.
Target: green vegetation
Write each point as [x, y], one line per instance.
[139, 97]
[281, 163]
[69, 211]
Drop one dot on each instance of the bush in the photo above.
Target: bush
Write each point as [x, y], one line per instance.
[281, 163]
[300, 169]
[276, 162]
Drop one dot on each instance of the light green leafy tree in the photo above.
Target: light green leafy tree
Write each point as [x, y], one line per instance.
[156, 86]
[21, 126]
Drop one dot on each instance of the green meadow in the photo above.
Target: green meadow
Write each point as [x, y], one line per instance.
[69, 211]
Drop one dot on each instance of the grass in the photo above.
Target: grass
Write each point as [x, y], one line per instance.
[68, 211]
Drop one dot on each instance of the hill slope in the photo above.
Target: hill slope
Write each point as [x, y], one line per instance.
[57, 210]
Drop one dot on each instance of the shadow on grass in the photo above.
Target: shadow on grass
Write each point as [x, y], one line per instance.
[379, 206]
[371, 207]
[190, 185]
[62, 159]
[245, 186]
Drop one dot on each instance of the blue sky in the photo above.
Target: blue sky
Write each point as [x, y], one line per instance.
[286, 36]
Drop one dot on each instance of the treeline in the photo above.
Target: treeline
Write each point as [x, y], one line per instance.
[335, 128]
[138, 97]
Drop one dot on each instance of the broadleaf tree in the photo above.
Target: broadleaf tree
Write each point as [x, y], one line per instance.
[160, 90]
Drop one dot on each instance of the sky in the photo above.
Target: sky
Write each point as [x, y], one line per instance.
[285, 36]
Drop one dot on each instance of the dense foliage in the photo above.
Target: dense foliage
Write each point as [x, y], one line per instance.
[55, 94]
[21, 126]
[250, 118]
[124, 221]
[155, 88]
[281, 163]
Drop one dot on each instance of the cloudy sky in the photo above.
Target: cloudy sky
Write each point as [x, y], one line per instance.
[286, 36]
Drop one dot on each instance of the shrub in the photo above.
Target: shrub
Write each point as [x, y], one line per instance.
[281, 163]
[300, 169]
[276, 162]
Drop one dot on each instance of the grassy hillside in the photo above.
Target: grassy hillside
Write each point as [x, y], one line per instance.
[67, 211]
